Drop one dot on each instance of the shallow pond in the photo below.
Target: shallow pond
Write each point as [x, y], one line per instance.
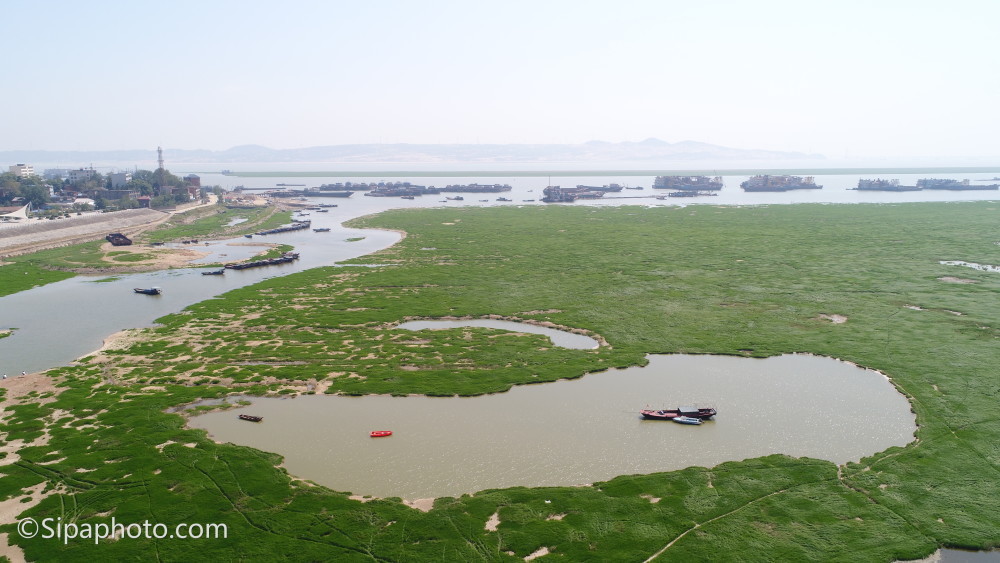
[561, 338]
[579, 431]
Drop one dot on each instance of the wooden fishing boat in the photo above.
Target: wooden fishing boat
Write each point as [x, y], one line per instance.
[147, 290]
[251, 418]
[701, 413]
[380, 433]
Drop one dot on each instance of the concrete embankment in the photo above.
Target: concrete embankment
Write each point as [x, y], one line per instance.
[34, 235]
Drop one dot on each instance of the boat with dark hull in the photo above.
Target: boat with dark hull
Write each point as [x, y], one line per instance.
[955, 185]
[296, 226]
[118, 239]
[783, 183]
[556, 194]
[147, 290]
[687, 193]
[283, 259]
[701, 413]
[250, 417]
[401, 189]
[606, 188]
[689, 183]
[477, 188]
[880, 185]
[214, 272]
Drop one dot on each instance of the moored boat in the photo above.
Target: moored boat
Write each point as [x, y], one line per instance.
[880, 185]
[696, 183]
[380, 433]
[251, 418]
[214, 272]
[780, 183]
[686, 420]
[701, 413]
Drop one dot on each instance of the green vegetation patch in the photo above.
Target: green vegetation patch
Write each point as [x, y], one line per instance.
[218, 222]
[752, 281]
[21, 274]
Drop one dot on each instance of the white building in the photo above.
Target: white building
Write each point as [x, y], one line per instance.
[22, 170]
[120, 179]
[80, 175]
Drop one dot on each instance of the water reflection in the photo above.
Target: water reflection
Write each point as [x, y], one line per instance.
[573, 432]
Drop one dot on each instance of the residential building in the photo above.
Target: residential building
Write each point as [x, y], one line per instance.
[120, 179]
[80, 175]
[22, 170]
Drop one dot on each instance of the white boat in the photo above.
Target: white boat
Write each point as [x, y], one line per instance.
[686, 420]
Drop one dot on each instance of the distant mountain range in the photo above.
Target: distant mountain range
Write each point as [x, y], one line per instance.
[597, 151]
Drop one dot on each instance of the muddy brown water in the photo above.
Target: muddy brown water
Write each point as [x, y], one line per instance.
[579, 431]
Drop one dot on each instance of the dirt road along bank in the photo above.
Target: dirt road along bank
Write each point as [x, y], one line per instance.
[34, 235]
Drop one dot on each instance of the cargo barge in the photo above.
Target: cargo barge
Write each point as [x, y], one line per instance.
[476, 188]
[784, 183]
[556, 194]
[607, 188]
[401, 189]
[880, 185]
[283, 259]
[687, 194]
[939, 184]
[296, 226]
[118, 239]
[691, 183]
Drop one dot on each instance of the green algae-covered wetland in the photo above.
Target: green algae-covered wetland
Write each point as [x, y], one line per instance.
[862, 283]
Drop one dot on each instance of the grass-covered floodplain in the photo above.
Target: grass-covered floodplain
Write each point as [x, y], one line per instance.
[214, 222]
[18, 276]
[857, 282]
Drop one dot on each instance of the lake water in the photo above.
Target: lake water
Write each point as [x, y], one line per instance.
[579, 431]
[61, 322]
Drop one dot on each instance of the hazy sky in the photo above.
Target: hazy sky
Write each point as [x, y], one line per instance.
[844, 77]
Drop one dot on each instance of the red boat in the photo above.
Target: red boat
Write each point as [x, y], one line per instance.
[380, 433]
[702, 413]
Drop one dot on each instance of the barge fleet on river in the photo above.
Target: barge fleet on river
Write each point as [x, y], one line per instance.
[783, 183]
[688, 183]
[556, 194]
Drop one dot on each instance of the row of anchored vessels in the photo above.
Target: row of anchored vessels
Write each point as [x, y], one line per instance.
[677, 186]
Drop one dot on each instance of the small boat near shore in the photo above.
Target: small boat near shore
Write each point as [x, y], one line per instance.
[380, 433]
[147, 290]
[700, 413]
[321, 230]
[214, 272]
[250, 418]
